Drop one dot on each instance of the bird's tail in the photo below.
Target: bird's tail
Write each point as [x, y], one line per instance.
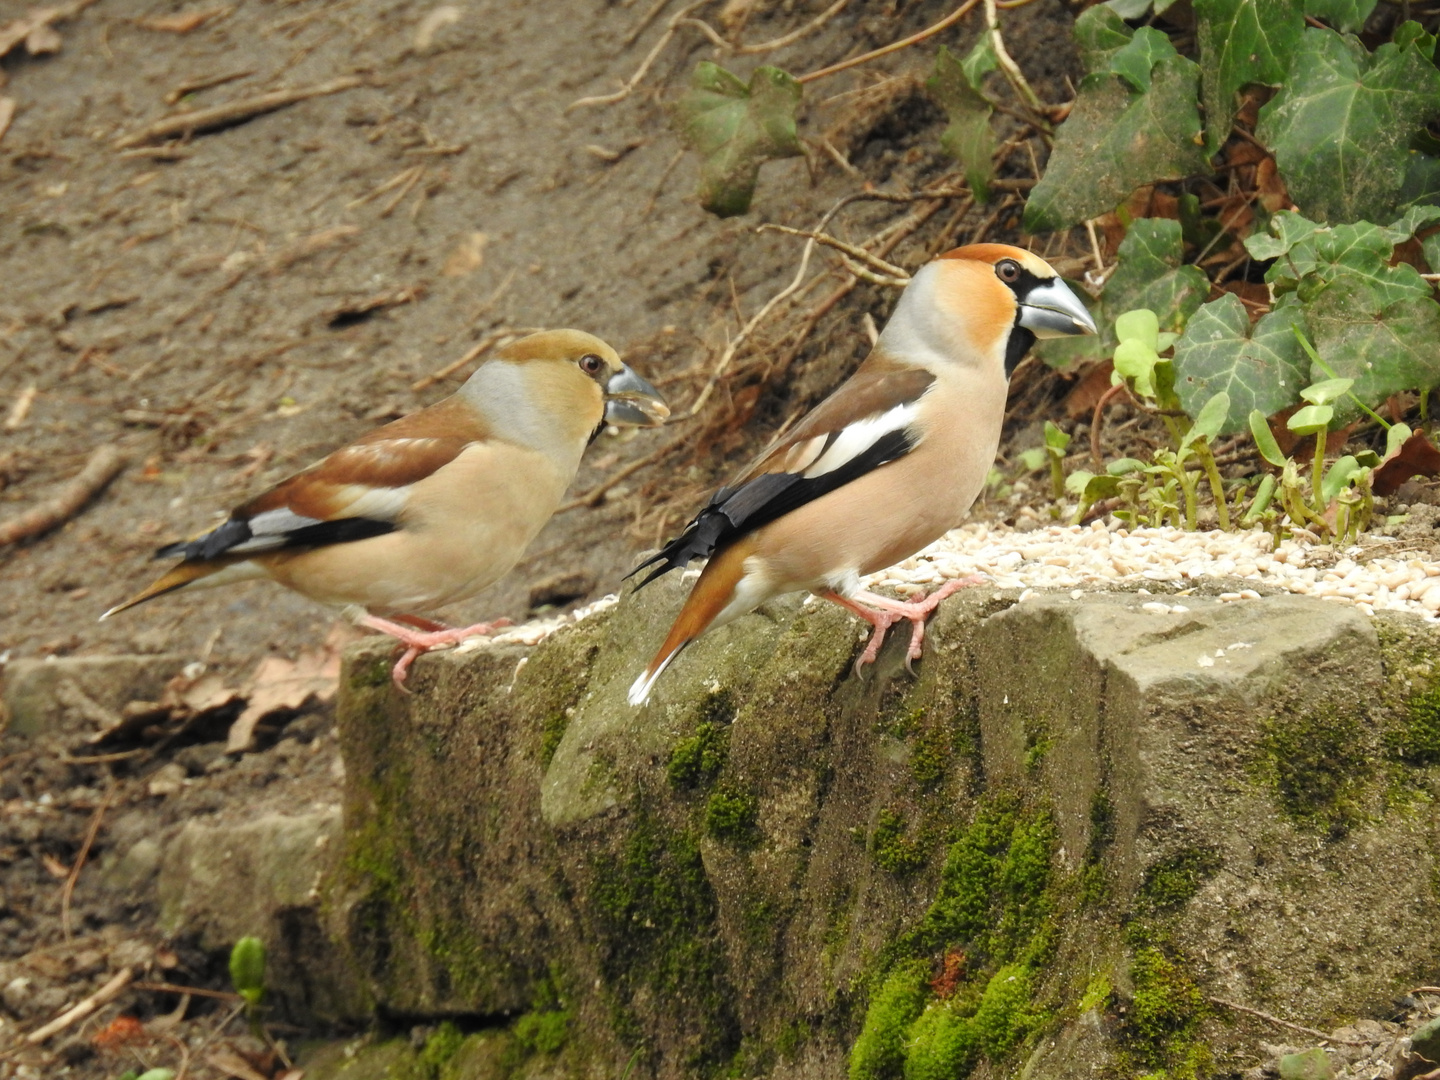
[710, 597]
[178, 577]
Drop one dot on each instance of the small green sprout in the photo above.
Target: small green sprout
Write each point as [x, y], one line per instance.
[1056, 441]
[247, 970]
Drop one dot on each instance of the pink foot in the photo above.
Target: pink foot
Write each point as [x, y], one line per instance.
[883, 612]
[420, 641]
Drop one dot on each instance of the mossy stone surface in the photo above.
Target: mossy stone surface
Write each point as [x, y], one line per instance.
[1041, 855]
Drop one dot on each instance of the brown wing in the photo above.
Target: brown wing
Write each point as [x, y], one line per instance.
[357, 492]
[868, 422]
[878, 386]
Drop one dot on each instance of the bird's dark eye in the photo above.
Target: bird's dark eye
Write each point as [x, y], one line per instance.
[591, 364]
[1008, 271]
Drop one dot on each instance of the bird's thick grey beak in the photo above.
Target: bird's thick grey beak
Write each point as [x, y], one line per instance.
[631, 400]
[1052, 310]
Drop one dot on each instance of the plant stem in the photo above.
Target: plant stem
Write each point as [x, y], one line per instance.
[1317, 476]
[1007, 62]
[1212, 473]
[1057, 477]
[895, 46]
[1263, 494]
[1315, 358]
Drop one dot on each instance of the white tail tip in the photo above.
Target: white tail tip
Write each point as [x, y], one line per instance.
[640, 688]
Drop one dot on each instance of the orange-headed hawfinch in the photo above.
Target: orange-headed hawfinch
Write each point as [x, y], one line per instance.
[885, 465]
[433, 508]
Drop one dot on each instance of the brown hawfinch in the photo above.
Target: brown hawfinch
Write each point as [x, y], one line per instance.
[884, 466]
[433, 508]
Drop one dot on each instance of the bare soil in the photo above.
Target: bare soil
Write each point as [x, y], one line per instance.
[226, 308]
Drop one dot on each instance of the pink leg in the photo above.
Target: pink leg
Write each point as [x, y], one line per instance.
[880, 620]
[884, 612]
[419, 641]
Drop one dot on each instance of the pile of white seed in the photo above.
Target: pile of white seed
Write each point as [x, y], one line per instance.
[1104, 554]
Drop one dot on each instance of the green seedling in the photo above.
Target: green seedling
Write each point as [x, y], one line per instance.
[1055, 443]
[247, 974]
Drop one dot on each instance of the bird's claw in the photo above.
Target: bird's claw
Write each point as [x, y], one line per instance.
[422, 641]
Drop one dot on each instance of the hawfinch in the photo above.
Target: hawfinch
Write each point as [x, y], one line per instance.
[884, 466]
[433, 508]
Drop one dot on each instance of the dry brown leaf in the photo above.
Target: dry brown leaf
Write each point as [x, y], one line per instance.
[42, 39]
[282, 685]
[202, 694]
[35, 31]
[181, 23]
[430, 25]
[1417, 456]
[468, 256]
[232, 1064]
[1273, 194]
[1088, 390]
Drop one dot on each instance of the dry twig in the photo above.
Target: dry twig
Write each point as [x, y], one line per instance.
[475, 351]
[103, 466]
[234, 112]
[795, 35]
[172, 988]
[628, 87]
[880, 266]
[90, 834]
[106, 994]
[21, 409]
[203, 82]
[895, 46]
[1285, 1023]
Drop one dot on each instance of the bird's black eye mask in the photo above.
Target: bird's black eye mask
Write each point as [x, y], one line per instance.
[1019, 281]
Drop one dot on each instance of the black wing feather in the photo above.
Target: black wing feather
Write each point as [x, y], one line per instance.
[236, 531]
[735, 511]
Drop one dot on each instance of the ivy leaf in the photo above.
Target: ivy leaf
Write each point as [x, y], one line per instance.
[1116, 140]
[1263, 368]
[1347, 16]
[1309, 257]
[736, 128]
[1150, 275]
[1134, 61]
[1342, 124]
[1127, 9]
[1242, 42]
[969, 139]
[1384, 347]
[1100, 33]
[1286, 230]
[1136, 9]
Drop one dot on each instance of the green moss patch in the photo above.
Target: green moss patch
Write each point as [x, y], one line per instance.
[1171, 882]
[545, 1029]
[1417, 742]
[892, 850]
[730, 814]
[991, 925]
[1163, 1018]
[697, 760]
[879, 1052]
[657, 915]
[1317, 767]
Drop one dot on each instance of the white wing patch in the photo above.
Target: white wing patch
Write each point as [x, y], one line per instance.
[270, 529]
[858, 437]
[379, 503]
[273, 528]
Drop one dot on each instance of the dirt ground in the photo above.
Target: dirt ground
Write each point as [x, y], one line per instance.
[225, 308]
